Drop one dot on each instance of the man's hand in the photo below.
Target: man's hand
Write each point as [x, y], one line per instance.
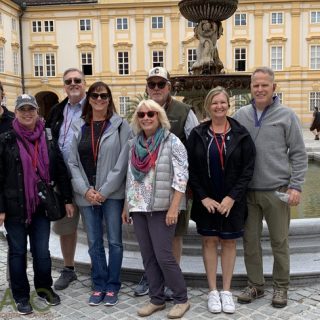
[69, 209]
[294, 197]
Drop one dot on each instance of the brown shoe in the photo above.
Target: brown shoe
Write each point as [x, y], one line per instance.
[178, 310]
[249, 294]
[279, 299]
[149, 309]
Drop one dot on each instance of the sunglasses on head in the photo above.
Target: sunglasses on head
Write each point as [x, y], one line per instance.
[95, 96]
[160, 85]
[75, 81]
[150, 114]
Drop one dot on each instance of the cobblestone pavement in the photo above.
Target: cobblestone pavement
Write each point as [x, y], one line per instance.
[304, 302]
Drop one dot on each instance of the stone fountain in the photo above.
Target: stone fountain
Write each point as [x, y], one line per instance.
[208, 71]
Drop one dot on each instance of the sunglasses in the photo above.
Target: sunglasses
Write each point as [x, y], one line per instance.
[95, 96]
[160, 85]
[150, 114]
[69, 81]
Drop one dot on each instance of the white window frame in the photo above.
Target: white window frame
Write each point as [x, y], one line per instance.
[315, 57]
[157, 58]
[38, 65]
[15, 58]
[240, 19]
[276, 58]
[48, 26]
[122, 23]
[240, 100]
[2, 59]
[87, 62]
[124, 105]
[276, 18]
[157, 22]
[240, 51]
[85, 25]
[50, 64]
[280, 96]
[36, 26]
[191, 57]
[315, 17]
[314, 100]
[123, 63]
[191, 24]
[14, 24]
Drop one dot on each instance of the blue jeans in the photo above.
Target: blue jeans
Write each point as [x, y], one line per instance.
[105, 276]
[39, 232]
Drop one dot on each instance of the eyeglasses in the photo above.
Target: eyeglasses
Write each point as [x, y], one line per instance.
[150, 114]
[95, 96]
[160, 85]
[27, 109]
[69, 81]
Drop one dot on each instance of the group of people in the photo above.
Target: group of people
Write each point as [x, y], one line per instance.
[112, 173]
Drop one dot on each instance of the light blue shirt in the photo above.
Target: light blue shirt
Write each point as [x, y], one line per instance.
[70, 114]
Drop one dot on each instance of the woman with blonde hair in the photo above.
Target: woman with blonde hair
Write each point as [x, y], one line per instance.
[156, 182]
[221, 162]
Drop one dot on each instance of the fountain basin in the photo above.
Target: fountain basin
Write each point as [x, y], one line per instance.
[215, 10]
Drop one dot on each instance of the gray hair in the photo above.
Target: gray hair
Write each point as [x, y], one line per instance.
[265, 70]
[74, 70]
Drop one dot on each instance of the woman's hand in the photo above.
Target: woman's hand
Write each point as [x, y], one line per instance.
[126, 219]
[69, 209]
[210, 204]
[172, 216]
[2, 217]
[226, 205]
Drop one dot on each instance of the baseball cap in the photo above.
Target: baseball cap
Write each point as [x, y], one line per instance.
[26, 99]
[158, 72]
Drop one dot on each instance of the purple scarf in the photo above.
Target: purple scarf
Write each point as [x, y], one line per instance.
[25, 140]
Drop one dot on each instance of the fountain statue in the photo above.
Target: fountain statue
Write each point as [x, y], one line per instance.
[208, 70]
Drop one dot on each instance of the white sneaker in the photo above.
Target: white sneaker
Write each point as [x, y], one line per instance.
[227, 302]
[214, 303]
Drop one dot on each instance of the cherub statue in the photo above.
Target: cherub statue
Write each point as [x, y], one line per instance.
[208, 61]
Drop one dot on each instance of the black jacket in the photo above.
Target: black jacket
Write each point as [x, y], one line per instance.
[55, 118]
[12, 199]
[5, 120]
[239, 166]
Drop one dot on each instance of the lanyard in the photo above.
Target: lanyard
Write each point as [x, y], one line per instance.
[66, 130]
[220, 147]
[95, 147]
[151, 154]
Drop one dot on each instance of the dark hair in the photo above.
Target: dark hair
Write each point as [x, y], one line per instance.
[87, 109]
[2, 91]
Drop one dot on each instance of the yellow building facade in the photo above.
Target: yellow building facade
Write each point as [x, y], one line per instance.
[118, 41]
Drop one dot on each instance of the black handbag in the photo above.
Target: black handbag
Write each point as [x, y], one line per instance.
[51, 201]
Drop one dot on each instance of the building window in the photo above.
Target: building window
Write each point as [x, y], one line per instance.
[38, 64]
[50, 65]
[1, 22]
[124, 105]
[315, 57]
[14, 24]
[240, 19]
[157, 59]
[123, 62]
[86, 63]
[315, 17]
[191, 24]
[1, 59]
[122, 24]
[44, 64]
[241, 100]
[240, 56]
[192, 58]
[276, 58]
[280, 96]
[314, 100]
[157, 22]
[15, 57]
[85, 25]
[48, 26]
[36, 26]
[276, 18]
